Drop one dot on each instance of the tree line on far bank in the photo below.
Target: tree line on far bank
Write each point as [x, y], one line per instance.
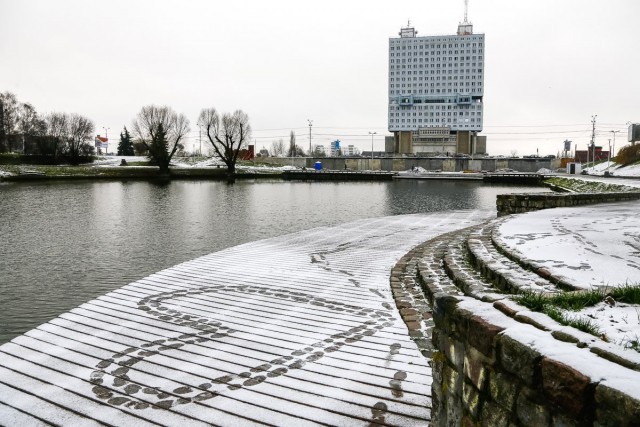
[56, 135]
[158, 132]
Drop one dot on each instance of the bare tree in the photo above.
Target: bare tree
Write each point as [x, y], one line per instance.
[160, 130]
[79, 131]
[227, 135]
[31, 125]
[277, 148]
[9, 114]
[292, 144]
[55, 133]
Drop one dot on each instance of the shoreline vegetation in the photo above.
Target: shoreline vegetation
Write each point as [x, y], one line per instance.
[32, 173]
[143, 170]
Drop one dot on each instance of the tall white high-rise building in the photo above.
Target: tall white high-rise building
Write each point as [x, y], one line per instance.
[436, 91]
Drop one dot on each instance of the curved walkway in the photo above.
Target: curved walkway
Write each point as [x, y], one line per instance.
[295, 330]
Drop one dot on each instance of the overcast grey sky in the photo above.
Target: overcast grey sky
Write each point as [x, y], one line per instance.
[549, 65]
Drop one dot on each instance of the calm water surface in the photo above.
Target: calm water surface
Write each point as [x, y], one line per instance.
[63, 243]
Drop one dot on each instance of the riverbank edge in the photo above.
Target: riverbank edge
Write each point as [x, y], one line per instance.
[137, 173]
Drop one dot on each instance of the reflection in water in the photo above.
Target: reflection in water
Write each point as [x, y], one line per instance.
[66, 243]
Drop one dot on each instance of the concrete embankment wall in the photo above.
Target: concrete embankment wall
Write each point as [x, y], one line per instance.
[492, 370]
[519, 203]
[396, 164]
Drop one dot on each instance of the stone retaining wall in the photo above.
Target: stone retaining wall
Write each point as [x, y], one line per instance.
[518, 203]
[396, 164]
[493, 370]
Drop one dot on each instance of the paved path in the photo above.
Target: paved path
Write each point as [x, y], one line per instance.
[296, 330]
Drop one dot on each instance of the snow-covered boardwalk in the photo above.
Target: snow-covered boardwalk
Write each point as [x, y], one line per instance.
[292, 331]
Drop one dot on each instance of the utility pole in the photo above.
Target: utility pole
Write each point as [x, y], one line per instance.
[609, 159]
[310, 125]
[593, 139]
[372, 133]
[587, 165]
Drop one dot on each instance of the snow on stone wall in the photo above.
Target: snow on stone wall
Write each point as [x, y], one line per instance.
[491, 369]
[519, 203]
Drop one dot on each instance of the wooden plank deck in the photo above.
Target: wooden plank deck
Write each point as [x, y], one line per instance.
[291, 331]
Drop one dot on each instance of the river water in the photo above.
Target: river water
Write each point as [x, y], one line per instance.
[64, 243]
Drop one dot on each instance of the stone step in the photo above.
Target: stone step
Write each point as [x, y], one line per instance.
[528, 265]
[504, 273]
[415, 279]
[464, 274]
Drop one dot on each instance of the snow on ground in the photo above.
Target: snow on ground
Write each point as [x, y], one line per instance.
[620, 323]
[615, 169]
[188, 162]
[591, 246]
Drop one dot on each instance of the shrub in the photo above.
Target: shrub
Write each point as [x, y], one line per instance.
[628, 154]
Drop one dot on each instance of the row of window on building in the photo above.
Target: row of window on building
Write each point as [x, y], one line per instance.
[473, 91]
[431, 106]
[437, 53]
[439, 120]
[438, 84]
[422, 43]
[405, 72]
[436, 114]
[451, 61]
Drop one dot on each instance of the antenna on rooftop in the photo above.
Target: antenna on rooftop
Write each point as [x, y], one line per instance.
[465, 28]
[466, 7]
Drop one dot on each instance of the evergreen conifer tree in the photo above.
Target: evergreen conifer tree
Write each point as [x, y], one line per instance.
[125, 146]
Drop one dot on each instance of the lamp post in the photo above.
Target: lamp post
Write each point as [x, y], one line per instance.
[372, 133]
[310, 126]
[614, 141]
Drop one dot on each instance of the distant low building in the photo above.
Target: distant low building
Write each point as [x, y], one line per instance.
[351, 150]
[582, 156]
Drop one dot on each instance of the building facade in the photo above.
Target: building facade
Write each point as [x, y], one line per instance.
[436, 87]
[334, 148]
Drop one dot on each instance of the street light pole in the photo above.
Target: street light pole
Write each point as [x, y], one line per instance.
[614, 142]
[310, 125]
[200, 139]
[372, 133]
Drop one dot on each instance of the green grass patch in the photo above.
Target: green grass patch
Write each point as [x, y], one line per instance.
[580, 323]
[556, 306]
[629, 293]
[574, 301]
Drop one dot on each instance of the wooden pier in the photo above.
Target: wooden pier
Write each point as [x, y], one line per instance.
[337, 175]
[291, 331]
